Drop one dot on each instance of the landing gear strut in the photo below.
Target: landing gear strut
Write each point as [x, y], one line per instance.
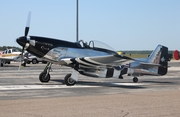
[1, 62]
[45, 76]
[135, 79]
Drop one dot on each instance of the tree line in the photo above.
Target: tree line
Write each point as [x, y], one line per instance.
[142, 52]
[2, 48]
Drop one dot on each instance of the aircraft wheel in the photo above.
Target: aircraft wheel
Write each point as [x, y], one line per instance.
[7, 62]
[43, 77]
[24, 64]
[135, 79]
[68, 80]
[1, 64]
[28, 62]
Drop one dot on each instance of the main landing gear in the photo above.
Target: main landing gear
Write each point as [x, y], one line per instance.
[71, 79]
[135, 79]
[45, 76]
[68, 80]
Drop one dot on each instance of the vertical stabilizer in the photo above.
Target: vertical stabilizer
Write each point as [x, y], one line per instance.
[160, 56]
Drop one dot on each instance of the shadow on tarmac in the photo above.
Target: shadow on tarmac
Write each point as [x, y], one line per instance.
[105, 84]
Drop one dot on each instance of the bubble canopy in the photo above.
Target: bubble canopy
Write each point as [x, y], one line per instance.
[95, 44]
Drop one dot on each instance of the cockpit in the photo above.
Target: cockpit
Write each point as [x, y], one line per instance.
[94, 44]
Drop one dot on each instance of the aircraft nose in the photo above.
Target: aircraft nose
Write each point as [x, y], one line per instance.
[22, 41]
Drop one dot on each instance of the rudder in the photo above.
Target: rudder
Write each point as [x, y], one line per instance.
[160, 56]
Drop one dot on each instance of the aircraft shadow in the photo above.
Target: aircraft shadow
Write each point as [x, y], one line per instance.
[10, 66]
[13, 66]
[159, 82]
[105, 84]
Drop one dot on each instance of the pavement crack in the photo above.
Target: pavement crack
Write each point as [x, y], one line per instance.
[127, 113]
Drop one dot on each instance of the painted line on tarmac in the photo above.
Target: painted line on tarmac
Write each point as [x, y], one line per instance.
[174, 68]
[130, 84]
[23, 87]
[26, 87]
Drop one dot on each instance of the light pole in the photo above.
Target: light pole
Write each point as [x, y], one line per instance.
[77, 30]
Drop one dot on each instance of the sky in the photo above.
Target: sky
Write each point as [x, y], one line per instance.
[122, 24]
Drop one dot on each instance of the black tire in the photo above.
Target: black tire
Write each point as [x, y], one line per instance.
[1, 64]
[23, 64]
[44, 62]
[7, 62]
[34, 61]
[42, 77]
[68, 80]
[135, 79]
[28, 62]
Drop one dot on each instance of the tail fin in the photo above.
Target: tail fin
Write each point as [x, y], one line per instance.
[160, 56]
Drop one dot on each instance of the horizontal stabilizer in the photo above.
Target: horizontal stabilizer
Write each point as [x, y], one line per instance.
[149, 64]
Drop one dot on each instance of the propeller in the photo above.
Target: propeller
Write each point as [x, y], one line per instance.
[28, 24]
[25, 35]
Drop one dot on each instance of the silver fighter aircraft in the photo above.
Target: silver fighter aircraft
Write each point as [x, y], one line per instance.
[93, 59]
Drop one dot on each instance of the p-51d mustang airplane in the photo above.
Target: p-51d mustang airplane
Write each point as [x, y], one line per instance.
[8, 55]
[94, 59]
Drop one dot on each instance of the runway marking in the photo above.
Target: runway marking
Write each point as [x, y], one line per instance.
[21, 87]
[174, 68]
[26, 87]
[130, 84]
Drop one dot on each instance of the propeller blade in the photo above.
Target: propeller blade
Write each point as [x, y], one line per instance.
[25, 34]
[26, 31]
[20, 63]
[27, 24]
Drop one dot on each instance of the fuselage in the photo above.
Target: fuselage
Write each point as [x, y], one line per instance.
[53, 50]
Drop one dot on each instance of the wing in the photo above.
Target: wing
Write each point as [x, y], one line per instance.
[98, 62]
[149, 64]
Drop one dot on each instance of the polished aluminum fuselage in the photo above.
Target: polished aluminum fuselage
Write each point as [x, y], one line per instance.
[56, 54]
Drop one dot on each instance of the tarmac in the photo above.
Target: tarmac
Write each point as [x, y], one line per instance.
[23, 95]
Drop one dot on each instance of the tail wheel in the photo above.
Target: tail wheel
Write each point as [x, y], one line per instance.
[44, 77]
[68, 80]
[135, 79]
